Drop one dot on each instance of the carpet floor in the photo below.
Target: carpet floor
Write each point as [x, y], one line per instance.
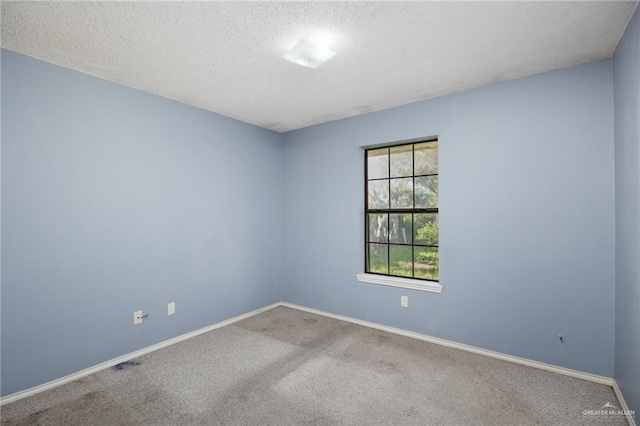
[287, 367]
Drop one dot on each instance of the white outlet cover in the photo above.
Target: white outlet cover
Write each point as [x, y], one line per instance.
[404, 301]
[137, 317]
[171, 308]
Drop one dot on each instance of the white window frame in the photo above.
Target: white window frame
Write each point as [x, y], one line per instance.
[394, 281]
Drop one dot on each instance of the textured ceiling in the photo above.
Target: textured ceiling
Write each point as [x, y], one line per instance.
[226, 56]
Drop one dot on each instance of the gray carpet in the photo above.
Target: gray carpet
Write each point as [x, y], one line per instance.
[286, 367]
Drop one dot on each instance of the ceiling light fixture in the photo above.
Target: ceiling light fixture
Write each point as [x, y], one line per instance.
[309, 54]
[322, 39]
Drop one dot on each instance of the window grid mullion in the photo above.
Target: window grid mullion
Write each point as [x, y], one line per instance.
[413, 222]
[402, 177]
[388, 222]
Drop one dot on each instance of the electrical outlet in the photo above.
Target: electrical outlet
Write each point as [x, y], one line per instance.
[137, 317]
[404, 301]
[171, 308]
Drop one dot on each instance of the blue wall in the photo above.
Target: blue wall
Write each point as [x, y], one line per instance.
[0, 222]
[526, 217]
[115, 200]
[626, 66]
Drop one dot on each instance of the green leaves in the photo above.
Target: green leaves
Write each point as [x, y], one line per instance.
[428, 234]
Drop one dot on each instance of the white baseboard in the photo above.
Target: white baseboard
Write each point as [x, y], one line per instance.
[115, 361]
[623, 404]
[517, 360]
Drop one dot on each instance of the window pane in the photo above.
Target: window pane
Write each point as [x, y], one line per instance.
[426, 263]
[401, 161]
[400, 228]
[402, 193]
[426, 229]
[426, 158]
[405, 243]
[426, 191]
[378, 194]
[400, 259]
[378, 228]
[378, 163]
[378, 258]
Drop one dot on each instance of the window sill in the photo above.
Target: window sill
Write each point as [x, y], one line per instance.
[413, 284]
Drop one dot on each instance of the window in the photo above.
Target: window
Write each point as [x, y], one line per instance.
[401, 212]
